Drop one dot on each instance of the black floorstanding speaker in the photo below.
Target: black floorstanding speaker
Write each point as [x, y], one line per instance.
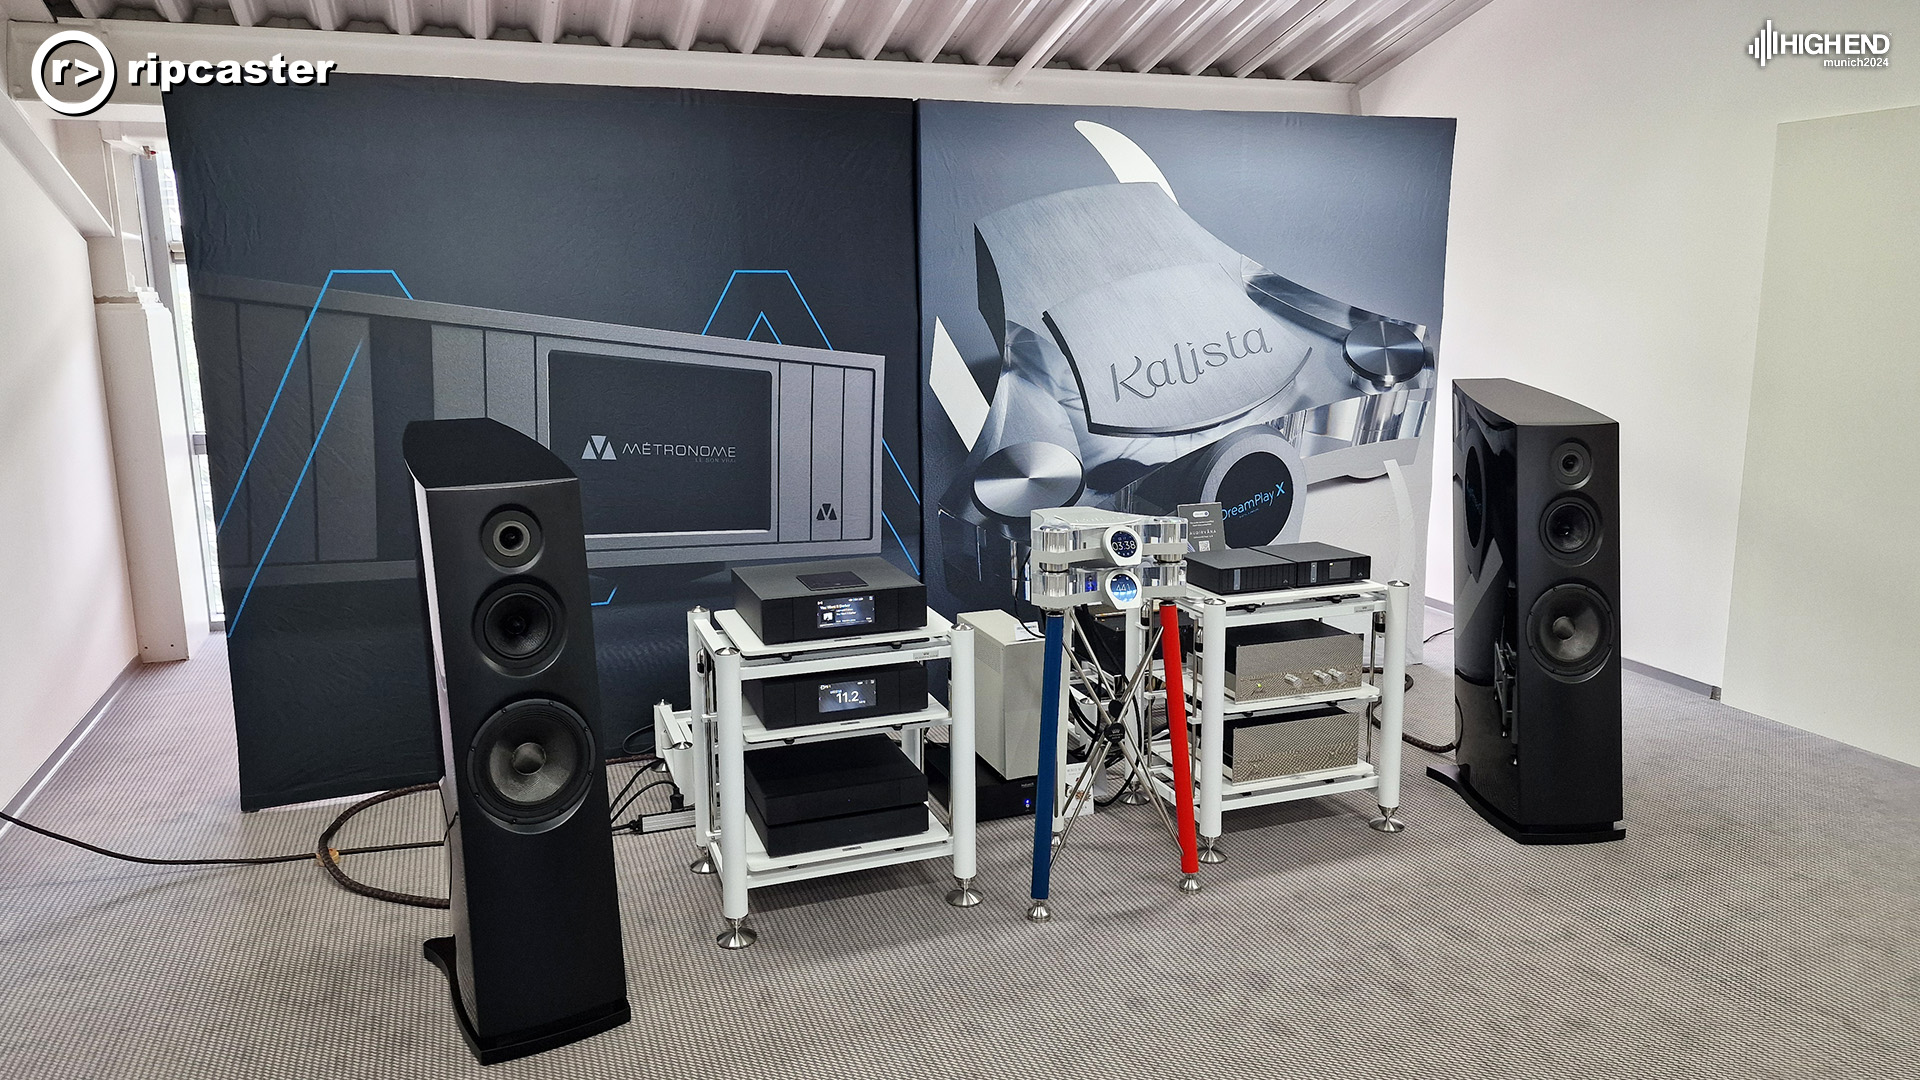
[535, 957]
[1536, 586]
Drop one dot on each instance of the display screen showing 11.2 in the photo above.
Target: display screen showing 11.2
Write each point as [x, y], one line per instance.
[849, 695]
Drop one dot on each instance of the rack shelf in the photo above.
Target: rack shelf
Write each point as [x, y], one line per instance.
[1217, 791]
[706, 753]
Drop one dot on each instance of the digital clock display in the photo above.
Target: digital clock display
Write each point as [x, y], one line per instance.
[849, 695]
[843, 611]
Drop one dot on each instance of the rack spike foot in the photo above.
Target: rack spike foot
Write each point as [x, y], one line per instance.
[1190, 883]
[1209, 853]
[738, 935]
[963, 894]
[703, 864]
[1388, 821]
[1039, 912]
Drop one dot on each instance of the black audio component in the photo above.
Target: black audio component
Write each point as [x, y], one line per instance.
[830, 598]
[1536, 509]
[1239, 570]
[535, 958]
[1322, 564]
[995, 796]
[795, 700]
[828, 794]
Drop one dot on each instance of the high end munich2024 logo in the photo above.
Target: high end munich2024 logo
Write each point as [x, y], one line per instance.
[1853, 50]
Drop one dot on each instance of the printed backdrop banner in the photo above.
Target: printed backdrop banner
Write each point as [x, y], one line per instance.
[393, 249]
[1139, 308]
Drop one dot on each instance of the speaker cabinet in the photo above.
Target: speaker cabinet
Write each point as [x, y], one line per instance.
[535, 958]
[1536, 509]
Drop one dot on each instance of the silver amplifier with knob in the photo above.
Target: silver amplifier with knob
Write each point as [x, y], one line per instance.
[1291, 658]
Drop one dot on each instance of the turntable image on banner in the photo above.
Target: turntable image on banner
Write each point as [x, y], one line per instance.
[1138, 309]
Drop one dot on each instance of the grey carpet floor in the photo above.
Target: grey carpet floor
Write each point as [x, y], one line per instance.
[1762, 919]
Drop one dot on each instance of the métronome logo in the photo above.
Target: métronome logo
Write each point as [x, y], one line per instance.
[68, 61]
[1846, 50]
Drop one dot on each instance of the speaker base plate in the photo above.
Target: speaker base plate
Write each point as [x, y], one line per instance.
[1596, 833]
[493, 1049]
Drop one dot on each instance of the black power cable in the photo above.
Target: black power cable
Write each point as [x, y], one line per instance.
[329, 858]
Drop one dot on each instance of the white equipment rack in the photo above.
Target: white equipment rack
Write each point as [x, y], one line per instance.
[1218, 791]
[705, 750]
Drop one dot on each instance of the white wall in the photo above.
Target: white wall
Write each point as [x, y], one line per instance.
[66, 614]
[1611, 183]
[1823, 591]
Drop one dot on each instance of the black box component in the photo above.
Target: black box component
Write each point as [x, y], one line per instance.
[798, 700]
[1239, 570]
[995, 796]
[829, 598]
[787, 784]
[799, 837]
[1322, 564]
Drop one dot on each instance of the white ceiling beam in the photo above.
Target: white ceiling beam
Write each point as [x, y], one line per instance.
[746, 37]
[1329, 36]
[26, 11]
[326, 13]
[945, 24]
[245, 12]
[1125, 33]
[617, 26]
[988, 45]
[1048, 42]
[882, 29]
[1434, 19]
[1232, 35]
[546, 20]
[1291, 33]
[176, 10]
[480, 19]
[94, 9]
[1180, 33]
[686, 29]
[816, 35]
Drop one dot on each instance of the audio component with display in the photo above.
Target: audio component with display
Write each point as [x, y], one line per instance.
[1109, 560]
[1536, 494]
[798, 700]
[996, 797]
[830, 598]
[1239, 570]
[1007, 658]
[535, 958]
[833, 794]
[1272, 567]
[1145, 364]
[1310, 740]
[1322, 564]
[1290, 658]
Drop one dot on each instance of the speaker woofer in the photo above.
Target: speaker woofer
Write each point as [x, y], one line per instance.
[1571, 529]
[511, 538]
[531, 763]
[519, 627]
[1571, 630]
